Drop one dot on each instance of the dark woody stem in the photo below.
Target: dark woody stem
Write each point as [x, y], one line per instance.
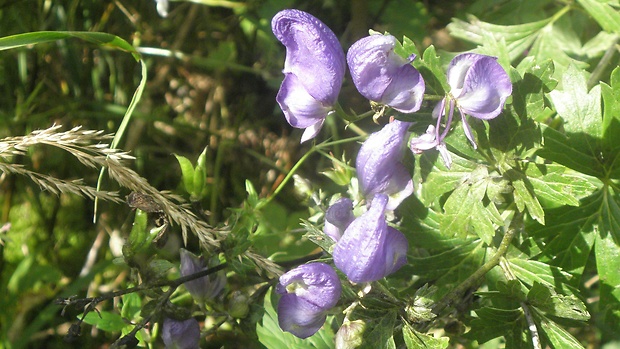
[472, 280]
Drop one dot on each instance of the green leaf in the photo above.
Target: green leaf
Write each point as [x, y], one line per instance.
[524, 196]
[531, 272]
[611, 115]
[495, 322]
[607, 252]
[417, 340]
[558, 185]
[558, 337]
[546, 299]
[132, 305]
[423, 225]
[606, 16]
[464, 212]
[271, 336]
[433, 71]
[437, 181]
[187, 173]
[379, 331]
[448, 268]
[33, 38]
[518, 38]
[138, 236]
[569, 151]
[569, 234]
[580, 109]
[528, 95]
[105, 321]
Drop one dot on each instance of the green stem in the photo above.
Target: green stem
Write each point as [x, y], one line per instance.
[297, 165]
[449, 299]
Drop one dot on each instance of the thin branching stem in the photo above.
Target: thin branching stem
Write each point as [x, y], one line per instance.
[472, 280]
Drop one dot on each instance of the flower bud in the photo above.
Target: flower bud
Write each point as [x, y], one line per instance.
[204, 288]
[349, 336]
[180, 334]
[338, 217]
[378, 165]
[382, 76]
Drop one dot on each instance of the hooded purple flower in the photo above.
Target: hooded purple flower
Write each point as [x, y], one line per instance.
[382, 76]
[203, 288]
[181, 334]
[370, 250]
[378, 165]
[479, 87]
[308, 292]
[313, 70]
[338, 217]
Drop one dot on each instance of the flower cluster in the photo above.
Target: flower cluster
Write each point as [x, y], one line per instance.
[366, 247]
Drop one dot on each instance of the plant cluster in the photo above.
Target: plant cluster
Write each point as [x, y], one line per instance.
[503, 231]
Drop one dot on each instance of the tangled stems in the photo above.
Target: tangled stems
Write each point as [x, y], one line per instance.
[89, 304]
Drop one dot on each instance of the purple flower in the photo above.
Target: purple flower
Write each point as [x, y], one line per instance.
[181, 334]
[338, 217]
[313, 70]
[382, 76]
[378, 165]
[204, 288]
[370, 250]
[479, 87]
[308, 292]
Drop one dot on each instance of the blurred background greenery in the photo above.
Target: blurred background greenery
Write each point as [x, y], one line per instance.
[214, 69]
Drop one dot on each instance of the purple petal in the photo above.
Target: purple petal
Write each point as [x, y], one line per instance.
[181, 334]
[317, 283]
[300, 109]
[338, 217]
[480, 85]
[379, 159]
[299, 317]
[382, 76]
[369, 250]
[406, 91]
[313, 53]
[308, 291]
[425, 142]
[399, 187]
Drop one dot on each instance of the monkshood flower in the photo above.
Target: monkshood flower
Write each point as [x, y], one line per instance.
[338, 217]
[369, 249]
[378, 165]
[308, 292]
[181, 334]
[204, 288]
[313, 70]
[382, 76]
[479, 87]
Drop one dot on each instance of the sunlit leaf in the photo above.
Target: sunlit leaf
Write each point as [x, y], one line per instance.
[417, 340]
[606, 16]
[546, 299]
